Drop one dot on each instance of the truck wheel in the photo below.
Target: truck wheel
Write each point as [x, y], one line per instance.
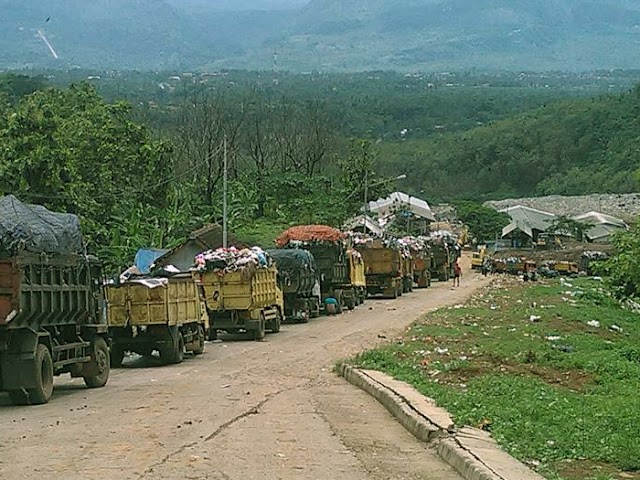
[337, 294]
[101, 353]
[200, 340]
[116, 356]
[259, 332]
[174, 353]
[315, 308]
[275, 326]
[212, 334]
[42, 373]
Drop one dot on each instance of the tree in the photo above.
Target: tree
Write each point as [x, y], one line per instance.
[73, 152]
[564, 225]
[484, 223]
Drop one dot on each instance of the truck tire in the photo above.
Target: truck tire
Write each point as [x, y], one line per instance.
[199, 350]
[315, 308]
[42, 373]
[275, 325]
[259, 333]
[101, 354]
[174, 353]
[116, 356]
[337, 294]
[212, 334]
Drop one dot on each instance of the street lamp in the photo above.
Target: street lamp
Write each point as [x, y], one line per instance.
[375, 184]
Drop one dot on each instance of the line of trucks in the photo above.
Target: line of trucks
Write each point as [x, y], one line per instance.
[59, 315]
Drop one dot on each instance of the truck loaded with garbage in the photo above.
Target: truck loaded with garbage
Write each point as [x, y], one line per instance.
[420, 259]
[299, 280]
[329, 249]
[52, 308]
[384, 265]
[444, 253]
[240, 290]
[156, 312]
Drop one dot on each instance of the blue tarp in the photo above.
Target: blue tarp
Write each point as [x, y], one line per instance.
[145, 258]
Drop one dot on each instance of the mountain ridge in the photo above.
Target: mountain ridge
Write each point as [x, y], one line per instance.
[325, 35]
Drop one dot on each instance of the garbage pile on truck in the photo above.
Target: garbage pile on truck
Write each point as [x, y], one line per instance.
[240, 291]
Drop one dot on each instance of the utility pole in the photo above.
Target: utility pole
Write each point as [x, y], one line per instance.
[366, 191]
[225, 239]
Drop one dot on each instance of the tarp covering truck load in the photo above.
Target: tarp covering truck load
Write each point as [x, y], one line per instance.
[329, 250]
[149, 314]
[241, 291]
[299, 280]
[52, 308]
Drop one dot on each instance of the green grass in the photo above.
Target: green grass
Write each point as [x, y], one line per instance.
[556, 393]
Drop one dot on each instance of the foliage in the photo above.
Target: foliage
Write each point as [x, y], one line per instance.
[549, 391]
[564, 225]
[73, 152]
[623, 269]
[484, 223]
[568, 148]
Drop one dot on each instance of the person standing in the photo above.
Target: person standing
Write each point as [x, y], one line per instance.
[457, 273]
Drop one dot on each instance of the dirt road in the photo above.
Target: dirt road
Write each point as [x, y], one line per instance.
[243, 410]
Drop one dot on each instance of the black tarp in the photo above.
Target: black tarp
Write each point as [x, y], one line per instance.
[293, 259]
[35, 229]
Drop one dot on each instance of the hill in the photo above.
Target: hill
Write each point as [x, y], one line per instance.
[571, 147]
[328, 35]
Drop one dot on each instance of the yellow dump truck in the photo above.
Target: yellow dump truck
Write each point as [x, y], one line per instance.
[246, 300]
[383, 269]
[162, 314]
[358, 280]
[477, 258]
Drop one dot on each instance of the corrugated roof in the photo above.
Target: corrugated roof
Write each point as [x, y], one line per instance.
[366, 222]
[597, 218]
[385, 207]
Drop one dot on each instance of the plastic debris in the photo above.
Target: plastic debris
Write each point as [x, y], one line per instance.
[593, 323]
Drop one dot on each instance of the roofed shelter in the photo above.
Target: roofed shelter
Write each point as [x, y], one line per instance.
[526, 225]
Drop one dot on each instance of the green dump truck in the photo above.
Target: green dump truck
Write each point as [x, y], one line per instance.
[52, 308]
[299, 280]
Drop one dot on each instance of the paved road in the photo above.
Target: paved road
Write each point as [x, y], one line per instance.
[243, 410]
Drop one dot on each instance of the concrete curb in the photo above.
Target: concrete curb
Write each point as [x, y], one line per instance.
[470, 451]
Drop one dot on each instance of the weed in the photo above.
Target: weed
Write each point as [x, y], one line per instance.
[552, 369]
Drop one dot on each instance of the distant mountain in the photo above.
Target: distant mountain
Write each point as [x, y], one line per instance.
[339, 35]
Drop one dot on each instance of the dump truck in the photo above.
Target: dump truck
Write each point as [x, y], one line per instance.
[245, 300]
[148, 314]
[383, 268]
[422, 268]
[52, 307]
[407, 271]
[477, 258]
[299, 280]
[441, 262]
[358, 279]
[329, 249]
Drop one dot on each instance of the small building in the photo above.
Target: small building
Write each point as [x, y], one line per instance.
[526, 225]
[601, 226]
[364, 224]
[182, 256]
[401, 207]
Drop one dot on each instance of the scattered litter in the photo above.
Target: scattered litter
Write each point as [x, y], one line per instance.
[534, 318]
[226, 385]
[442, 351]
[616, 328]
[593, 323]
[553, 338]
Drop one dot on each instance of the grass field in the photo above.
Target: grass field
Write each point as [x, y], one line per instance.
[552, 369]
